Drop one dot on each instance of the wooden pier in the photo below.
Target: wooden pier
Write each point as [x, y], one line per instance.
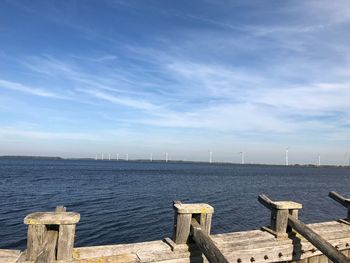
[287, 239]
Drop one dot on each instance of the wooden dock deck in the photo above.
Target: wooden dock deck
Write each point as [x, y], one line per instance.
[191, 241]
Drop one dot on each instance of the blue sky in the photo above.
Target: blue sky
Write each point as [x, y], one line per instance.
[185, 77]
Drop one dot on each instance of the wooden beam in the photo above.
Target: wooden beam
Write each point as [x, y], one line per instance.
[206, 244]
[279, 205]
[47, 255]
[319, 242]
[340, 199]
[52, 218]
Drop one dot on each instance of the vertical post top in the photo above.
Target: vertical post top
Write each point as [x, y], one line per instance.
[286, 205]
[193, 208]
[279, 205]
[52, 218]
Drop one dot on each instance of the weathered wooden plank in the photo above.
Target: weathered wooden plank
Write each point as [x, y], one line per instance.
[305, 260]
[279, 220]
[314, 259]
[52, 218]
[193, 208]
[123, 258]
[9, 255]
[47, 255]
[205, 222]
[183, 225]
[65, 242]
[155, 256]
[323, 259]
[35, 240]
[206, 244]
[259, 255]
[110, 250]
[326, 248]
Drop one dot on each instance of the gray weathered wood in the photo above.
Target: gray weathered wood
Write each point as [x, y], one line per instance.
[205, 222]
[47, 254]
[279, 221]
[314, 259]
[52, 218]
[35, 240]
[66, 236]
[268, 203]
[280, 210]
[206, 244]
[65, 243]
[322, 259]
[320, 243]
[183, 215]
[183, 224]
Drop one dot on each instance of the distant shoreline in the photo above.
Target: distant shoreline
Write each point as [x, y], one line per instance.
[29, 157]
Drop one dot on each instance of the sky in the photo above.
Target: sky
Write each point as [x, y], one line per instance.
[80, 78]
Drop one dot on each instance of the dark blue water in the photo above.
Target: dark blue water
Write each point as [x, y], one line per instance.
[123, 202]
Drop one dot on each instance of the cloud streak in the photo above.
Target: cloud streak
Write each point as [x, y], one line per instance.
[282, 75]
[5, 84]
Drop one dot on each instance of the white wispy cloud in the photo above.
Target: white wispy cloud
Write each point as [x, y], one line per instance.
[5, 84]
[122, 100]
[13, 132]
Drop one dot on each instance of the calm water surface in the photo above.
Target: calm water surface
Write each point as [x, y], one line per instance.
[123, 202]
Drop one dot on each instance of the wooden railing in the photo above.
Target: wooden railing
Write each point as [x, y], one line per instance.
[284, 214]
[286, 239]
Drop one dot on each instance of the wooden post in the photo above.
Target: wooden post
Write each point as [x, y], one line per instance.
[280, 212]
[183, 216]
[47, 254]
[343, 201]
[61, 222]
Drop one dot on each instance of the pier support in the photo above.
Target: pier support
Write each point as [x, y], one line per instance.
[183, 218]
[51, 235]
[280, 211]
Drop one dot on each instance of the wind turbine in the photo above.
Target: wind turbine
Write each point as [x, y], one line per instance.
[348, 155]
[109, 157]
[127, 157]
[287, 157]
[210, 156]
[319, 159]
[102, 156]
[242, 157]
[117, 156]
[166, 157]
[151, 157]
[95, 156]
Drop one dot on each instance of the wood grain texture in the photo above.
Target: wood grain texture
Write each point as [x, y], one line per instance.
[183, 224]
[65, 243]
[35, 240]
[47, 254]
[52, 218]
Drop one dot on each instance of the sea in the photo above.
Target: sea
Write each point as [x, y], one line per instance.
[126, 201]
